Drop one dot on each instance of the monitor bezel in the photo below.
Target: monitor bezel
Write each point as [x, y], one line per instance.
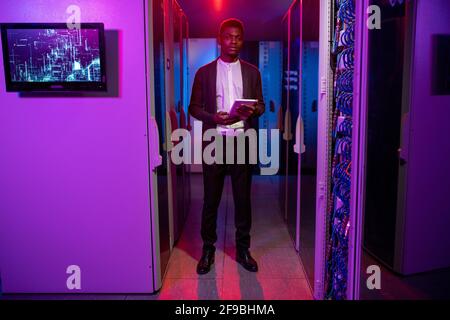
[13, 86]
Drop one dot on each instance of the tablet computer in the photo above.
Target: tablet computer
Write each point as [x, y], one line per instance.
[238, 103]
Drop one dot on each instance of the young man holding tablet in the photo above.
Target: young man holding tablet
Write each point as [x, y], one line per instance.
[216, 87]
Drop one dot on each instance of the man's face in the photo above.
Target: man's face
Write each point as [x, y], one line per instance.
[231, 41]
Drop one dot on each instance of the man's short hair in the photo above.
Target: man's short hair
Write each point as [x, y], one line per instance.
[232, 22]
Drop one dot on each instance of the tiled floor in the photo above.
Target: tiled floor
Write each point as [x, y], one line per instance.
[280, 275]
[281, 272]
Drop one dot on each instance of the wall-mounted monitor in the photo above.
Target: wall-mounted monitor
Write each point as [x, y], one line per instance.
[54, 57]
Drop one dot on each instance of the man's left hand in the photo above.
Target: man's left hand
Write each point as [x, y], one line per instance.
[246, 110]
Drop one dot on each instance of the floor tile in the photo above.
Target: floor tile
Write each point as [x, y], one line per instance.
[273, 263]
[191, 289]
[254, 288]
[280, 275]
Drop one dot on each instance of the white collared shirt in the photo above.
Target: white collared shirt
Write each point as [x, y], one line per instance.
[228, 88]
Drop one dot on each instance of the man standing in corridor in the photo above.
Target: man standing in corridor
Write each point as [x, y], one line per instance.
[216, 86]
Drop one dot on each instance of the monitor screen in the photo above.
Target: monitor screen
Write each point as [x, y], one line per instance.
[53, 57]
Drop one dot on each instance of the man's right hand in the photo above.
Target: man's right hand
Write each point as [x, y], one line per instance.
[224, 119]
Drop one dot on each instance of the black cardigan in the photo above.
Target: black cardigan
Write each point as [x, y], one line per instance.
[203, 98]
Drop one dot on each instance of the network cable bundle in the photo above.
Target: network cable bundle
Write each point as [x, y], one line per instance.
[339, 206]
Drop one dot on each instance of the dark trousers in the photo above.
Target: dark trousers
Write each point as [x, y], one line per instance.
[213, 182]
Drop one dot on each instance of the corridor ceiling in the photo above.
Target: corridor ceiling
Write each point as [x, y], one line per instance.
[262, 18]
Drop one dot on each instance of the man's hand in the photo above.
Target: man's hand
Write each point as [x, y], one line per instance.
[246, 110]
[224, 119]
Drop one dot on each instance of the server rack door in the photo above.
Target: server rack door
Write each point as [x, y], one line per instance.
[159, 91]
[307, 134]
[282, 117]
[323, 148]
[179, 214]
[359, 146]
[408, 231]
[386, 61]
[184, 106]
[169, 114]
[426, 235]
[293, 160]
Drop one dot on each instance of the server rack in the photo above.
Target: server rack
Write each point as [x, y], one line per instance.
[341, 147]
[408, 231]
[167, 36]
